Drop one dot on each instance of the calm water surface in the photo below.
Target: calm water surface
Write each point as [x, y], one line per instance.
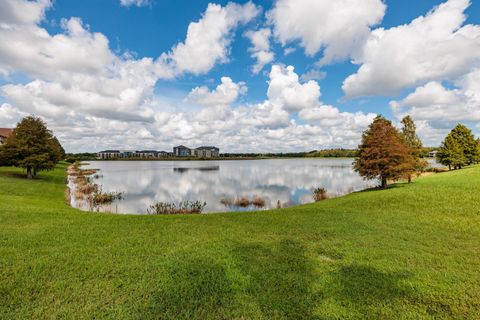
[288, 181]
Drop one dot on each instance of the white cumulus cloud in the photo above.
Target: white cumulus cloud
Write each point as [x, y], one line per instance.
[138, 3]
[224, 94]
[285, 89]
[94, 98]
[208, 40]
[14, 12]
[434, 47]
[437, 109]
[260, 49]
[338, 27]
[437, 104]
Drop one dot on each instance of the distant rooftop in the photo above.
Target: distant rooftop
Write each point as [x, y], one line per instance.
[110, 151]
[207, 148]
[6, 132]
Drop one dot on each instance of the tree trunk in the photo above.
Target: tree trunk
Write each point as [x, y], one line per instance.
[409, 178]
[384, 182]
[29, 173]
[449, 167]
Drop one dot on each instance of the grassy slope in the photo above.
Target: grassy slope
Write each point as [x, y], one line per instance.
[408, 252]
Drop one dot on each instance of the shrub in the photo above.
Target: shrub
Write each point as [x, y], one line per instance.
[436, 170]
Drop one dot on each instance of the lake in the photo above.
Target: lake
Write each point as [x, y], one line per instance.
[284, 182]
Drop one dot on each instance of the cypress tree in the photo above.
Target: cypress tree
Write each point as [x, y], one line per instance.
[383, 153]
[409, 133]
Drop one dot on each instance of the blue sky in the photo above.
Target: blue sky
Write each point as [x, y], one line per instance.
[150, 30]
[166, 108]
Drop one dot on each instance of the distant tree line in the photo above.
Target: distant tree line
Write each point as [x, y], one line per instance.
[74, 157]
[267, 155]
[31, 146]
[324, 153]
[335, 153]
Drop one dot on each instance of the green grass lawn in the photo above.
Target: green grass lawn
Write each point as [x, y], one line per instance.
[409, 252]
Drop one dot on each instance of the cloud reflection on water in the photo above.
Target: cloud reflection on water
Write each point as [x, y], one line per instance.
[289, 181]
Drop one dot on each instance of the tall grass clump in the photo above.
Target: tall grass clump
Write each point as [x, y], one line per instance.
[244, 202]
[184, 207]
[88, 191]
[97, 198]
[258, 202]
[319, 194]
[226, 202]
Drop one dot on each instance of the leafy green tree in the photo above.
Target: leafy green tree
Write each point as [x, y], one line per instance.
[32, 147]
[477, 152]
[409, 132]
[467, 142]
[411, 139]
[451, 153]
[57, 149]
[383, 153]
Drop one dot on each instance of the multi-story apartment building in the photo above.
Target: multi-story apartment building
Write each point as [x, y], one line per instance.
[200, 152]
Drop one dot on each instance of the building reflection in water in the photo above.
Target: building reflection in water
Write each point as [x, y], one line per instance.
[285, 181]
[185, 169]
